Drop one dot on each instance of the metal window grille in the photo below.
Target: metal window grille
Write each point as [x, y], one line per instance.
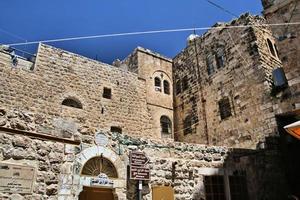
[214, 187]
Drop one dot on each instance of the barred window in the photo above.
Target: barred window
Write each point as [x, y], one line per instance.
[224, 108]
[214, 187]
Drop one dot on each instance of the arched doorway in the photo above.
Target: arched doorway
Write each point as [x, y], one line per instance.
[91, 193]
[102, 173]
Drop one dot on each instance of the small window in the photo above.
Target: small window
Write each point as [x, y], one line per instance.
[271, 47]
[225, 109]
[210, 65]
[157, 84]
[220, 58]
[187, 125]
[185, 83]
[116, 129]
[107, 93]
[70, 102]
[178, 87]
[166, 87]
[166, 126]
[214, 187]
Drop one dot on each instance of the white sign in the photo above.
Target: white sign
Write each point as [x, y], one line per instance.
[102, 180]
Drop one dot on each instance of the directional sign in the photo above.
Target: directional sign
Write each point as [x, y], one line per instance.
[138, 159]
[139, 173]
[138, 166]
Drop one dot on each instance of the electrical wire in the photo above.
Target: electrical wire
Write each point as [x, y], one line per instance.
[221, 8]
[149, 32]
[12, 34]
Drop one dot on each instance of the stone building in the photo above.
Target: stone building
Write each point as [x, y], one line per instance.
[68, 124]
[223, 85]
[288, 96]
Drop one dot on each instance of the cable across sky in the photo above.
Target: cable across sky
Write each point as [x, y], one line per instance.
[148, 32]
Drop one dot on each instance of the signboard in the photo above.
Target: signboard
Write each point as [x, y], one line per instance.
[16, 178]
[101, 139]
[102, 180]
[138, 166]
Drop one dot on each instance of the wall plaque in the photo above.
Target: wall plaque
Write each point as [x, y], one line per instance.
[15, 178]
[101, 139]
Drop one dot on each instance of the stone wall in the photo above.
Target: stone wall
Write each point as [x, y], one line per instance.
[58, 75]
[178, 165]
[46, 156]
[287, 11]
[244, 80]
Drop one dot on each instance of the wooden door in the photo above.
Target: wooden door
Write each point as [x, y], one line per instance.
[90, 193]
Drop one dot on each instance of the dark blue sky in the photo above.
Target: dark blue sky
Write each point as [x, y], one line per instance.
[42, 19]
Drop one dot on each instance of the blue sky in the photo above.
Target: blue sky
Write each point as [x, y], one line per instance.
[41, 19]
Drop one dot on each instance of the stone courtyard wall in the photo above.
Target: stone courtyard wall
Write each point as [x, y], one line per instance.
[57, 75]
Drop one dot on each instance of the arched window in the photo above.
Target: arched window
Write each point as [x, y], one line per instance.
[166, 87]
[187, 125]
[166, 126]
[210, 65]
[98, 165]
[271, 47]
[70, 102]
[220, 58]
[157, 84]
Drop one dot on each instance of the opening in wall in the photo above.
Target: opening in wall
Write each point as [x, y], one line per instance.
[71, 102]
[166, 127]
[157, 84]
[187, 125]
[116, 129]
[225, 109]
[106, 93]
[271, 47]
[166, 87]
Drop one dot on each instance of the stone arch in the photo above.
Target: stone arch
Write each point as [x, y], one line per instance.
[119, 186]
[108, 154]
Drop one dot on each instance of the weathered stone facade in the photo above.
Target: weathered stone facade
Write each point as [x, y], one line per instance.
[243, 79]
[287, 41]
[179, 165]
[218, 89]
